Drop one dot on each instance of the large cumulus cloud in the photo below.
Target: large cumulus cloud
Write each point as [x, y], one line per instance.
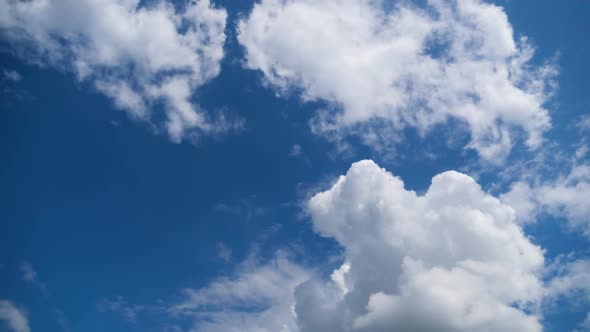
[388, 69]
[139, 55]
[453, 259]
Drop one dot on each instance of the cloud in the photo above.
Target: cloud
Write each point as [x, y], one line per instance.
[224, 252]
[453, 259]
[13, 318]
[585, 326]
[571, 282]
[141, 56]
[295, 151]
[29, 275]
[565, 196]
[11, 75]
[120, 306]
[383, 71]
[259, 297]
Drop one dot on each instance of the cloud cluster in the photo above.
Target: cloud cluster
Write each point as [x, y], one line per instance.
[139, 55]
[389, 69]
[13, 318]
[453, 259]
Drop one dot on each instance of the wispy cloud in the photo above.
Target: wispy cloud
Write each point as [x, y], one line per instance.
[11, 75]
[13, 318]
[119, 305]
[29, 275]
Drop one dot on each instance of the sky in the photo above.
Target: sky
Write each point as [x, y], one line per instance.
[294, 165]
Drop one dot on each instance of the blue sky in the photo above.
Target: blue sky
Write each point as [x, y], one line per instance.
[114, 219]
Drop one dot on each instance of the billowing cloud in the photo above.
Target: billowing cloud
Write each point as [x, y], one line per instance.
[385, 70]
[453, 259]
[139, 55]
[13, 318]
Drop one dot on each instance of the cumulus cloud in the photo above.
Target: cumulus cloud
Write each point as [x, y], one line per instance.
[453, 259]
[386, 70]
[141, 56]
[13, 318]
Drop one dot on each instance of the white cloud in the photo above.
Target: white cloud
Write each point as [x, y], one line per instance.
[572, 279]
[572, 282]
[13, 318]
[140, 56]
[258, 298]
[418, 67]
[453, 259]
[565, 196]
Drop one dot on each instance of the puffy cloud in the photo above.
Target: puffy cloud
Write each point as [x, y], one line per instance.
[385, 70]
[13, 318]
[453, 259]
[139, 55]
[258, 298]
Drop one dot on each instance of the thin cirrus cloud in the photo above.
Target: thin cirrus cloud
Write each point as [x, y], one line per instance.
[139, 56]
[409, 67]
